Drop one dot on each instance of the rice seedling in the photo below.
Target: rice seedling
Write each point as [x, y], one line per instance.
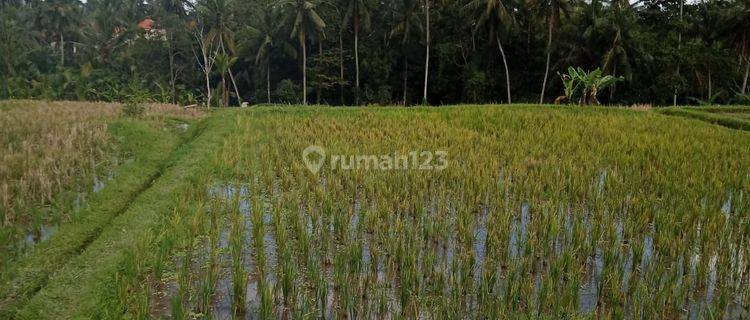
[562, 231]
[563, 213]
[239, 275]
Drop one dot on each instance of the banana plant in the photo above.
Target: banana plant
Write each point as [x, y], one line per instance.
[590, 83]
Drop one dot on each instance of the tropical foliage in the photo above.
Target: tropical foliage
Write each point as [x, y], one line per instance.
[363, 51]
[588, 83]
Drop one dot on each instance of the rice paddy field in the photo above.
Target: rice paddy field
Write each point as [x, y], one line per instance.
[48, 151]
[58, 157]
[536, 212]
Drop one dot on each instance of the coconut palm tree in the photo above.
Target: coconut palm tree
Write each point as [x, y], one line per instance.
[741, 38]
[427, 49]
[358, 14]
[623, 44]
[171, 15]
[217, 15]
[57, 18]
[496, 16]
[306, 22]
[407, 22]
[264, 31]
[679, 48]
[610, 28]
[712, 24]
[17, 41]
[223, 64]
[104, 17]
[555, 9]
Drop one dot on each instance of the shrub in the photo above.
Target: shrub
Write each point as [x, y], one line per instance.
[133, 110]
[383, 95]
[287, 92]
[477, 86]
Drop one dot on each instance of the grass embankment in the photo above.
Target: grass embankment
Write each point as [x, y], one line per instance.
[149, 146]
[730, 117]
[76, 287]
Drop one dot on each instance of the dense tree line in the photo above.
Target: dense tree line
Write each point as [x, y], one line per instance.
[369, 51]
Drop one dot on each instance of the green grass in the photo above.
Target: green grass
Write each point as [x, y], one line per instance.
[720, 116]
[149, 144]
[75, 289]
[721, 109]
[149, 147]
[745, 116]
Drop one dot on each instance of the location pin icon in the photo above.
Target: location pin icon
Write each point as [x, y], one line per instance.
[314, 157]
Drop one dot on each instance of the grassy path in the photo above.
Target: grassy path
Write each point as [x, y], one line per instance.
[75, 290]
[32, 271]
[64, 277]
[730, 117]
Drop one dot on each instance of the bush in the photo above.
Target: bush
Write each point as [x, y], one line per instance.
[741, 99]
[476, 86]
[383, 95]
[133, 110]
[287, 92]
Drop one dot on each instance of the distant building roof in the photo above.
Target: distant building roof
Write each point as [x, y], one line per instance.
[146, 24]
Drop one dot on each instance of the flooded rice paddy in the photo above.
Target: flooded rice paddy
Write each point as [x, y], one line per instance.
[347, 265]
[562, 218]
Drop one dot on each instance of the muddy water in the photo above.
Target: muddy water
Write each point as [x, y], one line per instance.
[223, 298]
[589, 292]
[383, 291]
[46, 230]
[42, 234]
[698, 306]
[480, 244]
[223, 307]
[519, 230]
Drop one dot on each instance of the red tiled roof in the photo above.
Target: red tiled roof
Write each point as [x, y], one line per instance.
[147, 24]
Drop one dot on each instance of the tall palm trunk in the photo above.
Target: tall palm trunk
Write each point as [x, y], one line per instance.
[304, 70]
[172, 77]
[406, 75]
[234, 84]
[549, 54]
[319, 90]
[679, 48]
[427, 53]
[710, 96]
[224, 91]
[612, 89]
[268, 79]
[231, 77]
[505, 64]
[62, 50]
[341, 69]
[356, 56]
[747, 72]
